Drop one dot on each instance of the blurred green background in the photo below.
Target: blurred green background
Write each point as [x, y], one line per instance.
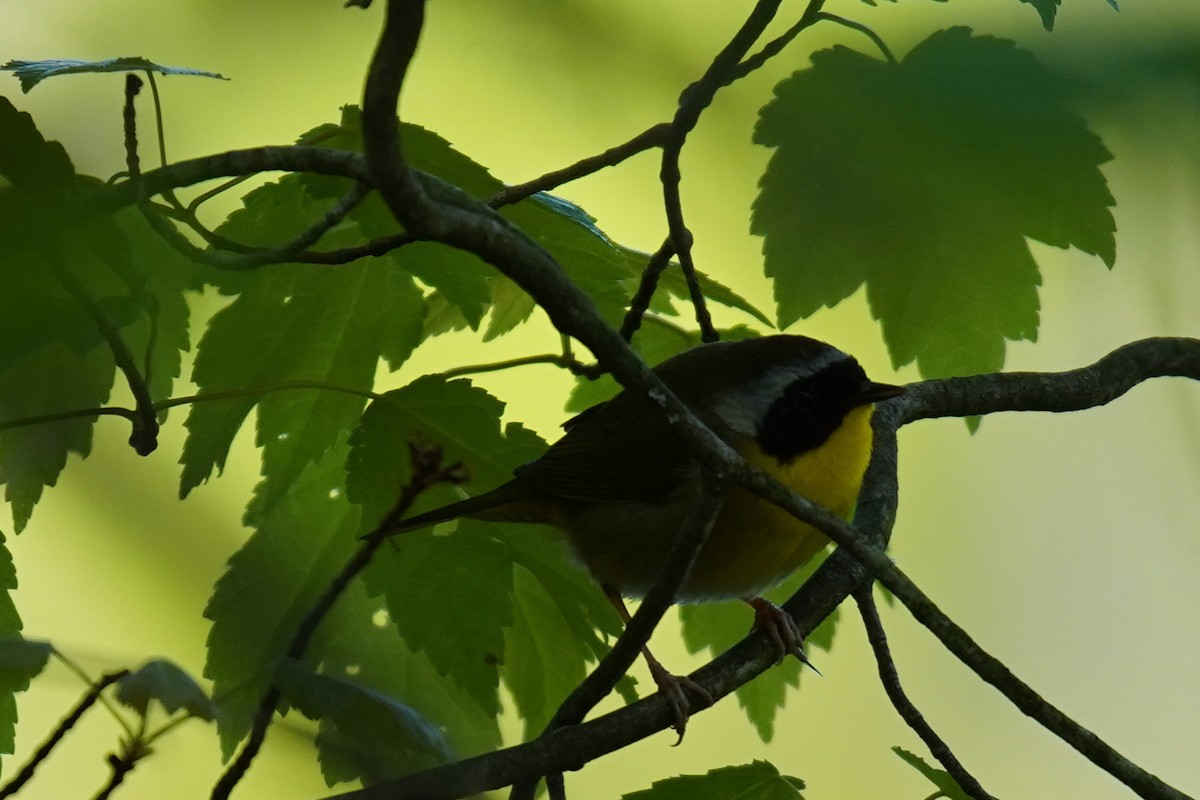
[1065, 544]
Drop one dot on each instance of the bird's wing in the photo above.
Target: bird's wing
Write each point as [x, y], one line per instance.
[619, 451]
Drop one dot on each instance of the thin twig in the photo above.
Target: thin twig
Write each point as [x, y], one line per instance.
[863, 29]
[82, 413]
[235, 255]
[650, 138]
[640, 303]
[557, 359]
[427, 471]
[890, 679]
[64, 727]
[694, 100]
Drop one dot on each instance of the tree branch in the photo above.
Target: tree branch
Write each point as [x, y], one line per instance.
[904, 707]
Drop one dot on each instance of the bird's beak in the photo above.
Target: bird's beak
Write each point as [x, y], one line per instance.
[874, 392]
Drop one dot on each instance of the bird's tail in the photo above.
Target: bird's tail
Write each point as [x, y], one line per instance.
[508, 503]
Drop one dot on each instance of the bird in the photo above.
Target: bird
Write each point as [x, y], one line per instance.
[620, 481]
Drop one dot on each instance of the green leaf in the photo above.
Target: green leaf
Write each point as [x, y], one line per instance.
[543, 660]
[31, 73]
[450, 597]
[759, 780]
[716, 627]
[357, 641]
[21, 660]
[384, 737]
[459, 277]
[474, 584]
[511, 306]
[29, 162]
[54, 357]
[167, 683]
[52, 380]
[271, 583]
[462, 419]
[590, 259]
[946, 785]
[926, 188]
[295, 323]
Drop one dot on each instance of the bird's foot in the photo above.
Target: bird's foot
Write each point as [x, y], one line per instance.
[782, 629]
[672, 688]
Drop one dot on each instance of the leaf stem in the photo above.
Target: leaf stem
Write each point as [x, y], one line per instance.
[863, 29]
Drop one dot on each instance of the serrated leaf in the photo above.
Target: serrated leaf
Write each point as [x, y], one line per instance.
[167, 683]
[546, 555]
[31, 73]
[28, 161]
[268, 586]
[590, 259]
[450, 597]
[511, 306]
[543, 660]
[21, 660]
[925, 188]
[716, 627]
[384, 736]
[52, 380]
[462, 419]
[294, 323]
[758, 780]
[946, 785]
[357, 641]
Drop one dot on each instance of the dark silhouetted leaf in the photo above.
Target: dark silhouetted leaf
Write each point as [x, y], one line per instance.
[165, 682]
[759, 780]
[295, 323]
[357, 641]
[377, 735]
[21, 660]
[946, 785]
[268, 586]
[923, 180]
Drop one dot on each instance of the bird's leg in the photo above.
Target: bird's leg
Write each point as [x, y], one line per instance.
[782, 629]
[670, 685]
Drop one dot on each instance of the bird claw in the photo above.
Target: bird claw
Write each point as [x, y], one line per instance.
[672, 688]
[782, 629]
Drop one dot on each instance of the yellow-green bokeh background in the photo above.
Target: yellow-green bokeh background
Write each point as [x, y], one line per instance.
[1066, 544]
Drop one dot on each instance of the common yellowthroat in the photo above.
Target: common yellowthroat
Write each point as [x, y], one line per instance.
[620, 481]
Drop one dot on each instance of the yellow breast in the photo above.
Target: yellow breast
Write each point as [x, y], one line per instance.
[755, 544]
